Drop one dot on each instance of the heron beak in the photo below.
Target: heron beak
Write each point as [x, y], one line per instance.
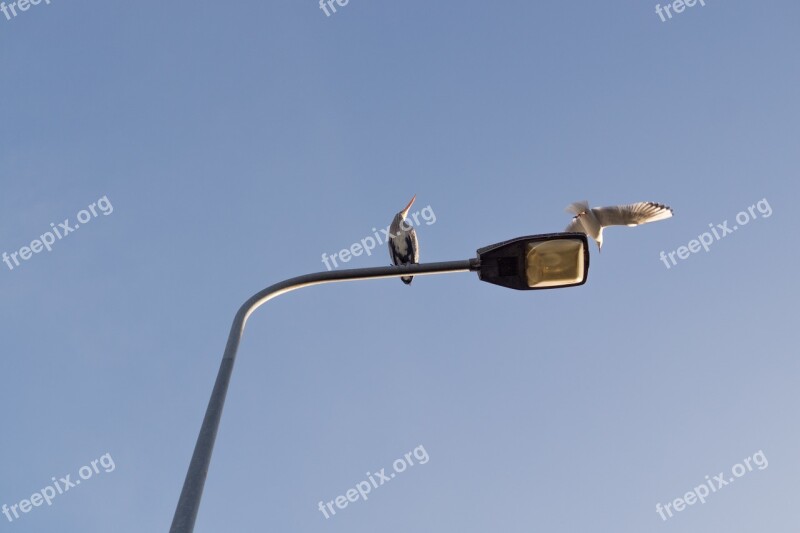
[405, 211]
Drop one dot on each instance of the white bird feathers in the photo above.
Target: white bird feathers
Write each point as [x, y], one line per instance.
[592, 220]
[404, 246]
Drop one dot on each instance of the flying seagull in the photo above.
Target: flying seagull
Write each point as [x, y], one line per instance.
[591, 221]
[403, 245]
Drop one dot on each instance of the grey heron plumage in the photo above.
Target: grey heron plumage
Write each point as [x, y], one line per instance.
[403, 244]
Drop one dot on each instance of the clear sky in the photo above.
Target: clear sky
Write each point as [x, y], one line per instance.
[237, 143]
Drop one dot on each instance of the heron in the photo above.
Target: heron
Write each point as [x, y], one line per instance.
[403, 245]
[591, 221]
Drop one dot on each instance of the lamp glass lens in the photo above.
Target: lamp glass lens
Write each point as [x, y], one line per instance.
[554, 263]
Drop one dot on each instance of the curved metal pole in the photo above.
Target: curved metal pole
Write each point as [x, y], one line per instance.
[189, 502]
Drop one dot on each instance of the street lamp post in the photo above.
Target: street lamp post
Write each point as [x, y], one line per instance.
[526, 263]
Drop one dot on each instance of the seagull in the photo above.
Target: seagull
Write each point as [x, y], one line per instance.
[591, 221]
[403, 245]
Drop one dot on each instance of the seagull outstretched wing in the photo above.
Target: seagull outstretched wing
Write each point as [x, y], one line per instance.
[632, 214]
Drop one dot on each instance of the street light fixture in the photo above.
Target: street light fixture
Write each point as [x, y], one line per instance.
[527, 263]
[547, 261]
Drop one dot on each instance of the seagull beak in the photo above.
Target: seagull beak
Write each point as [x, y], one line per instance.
[405, 211]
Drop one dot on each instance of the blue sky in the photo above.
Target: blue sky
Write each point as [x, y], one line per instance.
[237, 143]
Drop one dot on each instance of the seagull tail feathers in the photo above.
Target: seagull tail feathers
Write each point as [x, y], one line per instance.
[576, 208]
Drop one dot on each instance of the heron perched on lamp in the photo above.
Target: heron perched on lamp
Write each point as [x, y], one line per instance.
[403, 244]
